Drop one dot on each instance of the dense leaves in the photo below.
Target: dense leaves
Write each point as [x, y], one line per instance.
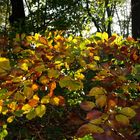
[100, 74]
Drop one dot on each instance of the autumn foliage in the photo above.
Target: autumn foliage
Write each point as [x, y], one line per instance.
[103, 73]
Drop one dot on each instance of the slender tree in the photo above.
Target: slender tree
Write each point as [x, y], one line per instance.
[135, 8]
[18, 13]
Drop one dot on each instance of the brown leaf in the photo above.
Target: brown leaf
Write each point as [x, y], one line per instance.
[88, 129]
[87, 105]
[94, 114]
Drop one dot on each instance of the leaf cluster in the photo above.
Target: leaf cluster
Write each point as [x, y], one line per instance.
[103, 72]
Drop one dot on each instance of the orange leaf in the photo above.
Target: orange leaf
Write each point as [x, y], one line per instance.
[35, 87]
[43, 40]
[33, 102]
[52, 87]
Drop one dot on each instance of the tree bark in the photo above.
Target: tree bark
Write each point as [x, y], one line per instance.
[135, 9]
[18, 13]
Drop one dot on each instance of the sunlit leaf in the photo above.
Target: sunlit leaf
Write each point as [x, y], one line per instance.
[35, 87]
[33, 102]
[4, 66]
[26, 108]
[43, 40]
[105, 36]
[97, 58]
[45, 100]
[55, 101]
[128, 112]
[40, 110]
[10, 119]
[29, 38]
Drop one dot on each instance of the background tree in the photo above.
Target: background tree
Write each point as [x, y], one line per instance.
[135, 6]
[73, 16]
[18, 14]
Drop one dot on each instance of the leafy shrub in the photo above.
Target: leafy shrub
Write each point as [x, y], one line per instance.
[92, 85]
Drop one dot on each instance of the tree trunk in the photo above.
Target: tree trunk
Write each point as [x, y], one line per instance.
[18, 14]
[135, 8]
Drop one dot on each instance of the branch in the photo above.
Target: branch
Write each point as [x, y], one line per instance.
[93, 19]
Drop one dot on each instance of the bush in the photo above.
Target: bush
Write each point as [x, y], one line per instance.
[72, 86]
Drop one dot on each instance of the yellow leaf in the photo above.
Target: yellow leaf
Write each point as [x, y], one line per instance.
[55, 101]
[4, 66]
[24, 66]
[0, 109]
[105, 36]
[45, 100]
[43, 80]
[12, 105]
[29, 38]
[36, 37]
[40, 110]
[28, 92]
[101, 101]
[122, 119]
[10, 119]
[26, 108]
[5, 110]
[128, 112]
[97, 58]
[36, 97]
[96, 91]
[97, 121]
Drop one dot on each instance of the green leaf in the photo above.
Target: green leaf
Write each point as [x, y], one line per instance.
[71, 84]
[31, 115]
[28, 92]
[52, 73]
[96, 91]
[40, 110]
[3, 92]
[18, 113]
[128, 112]
[122, 119]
